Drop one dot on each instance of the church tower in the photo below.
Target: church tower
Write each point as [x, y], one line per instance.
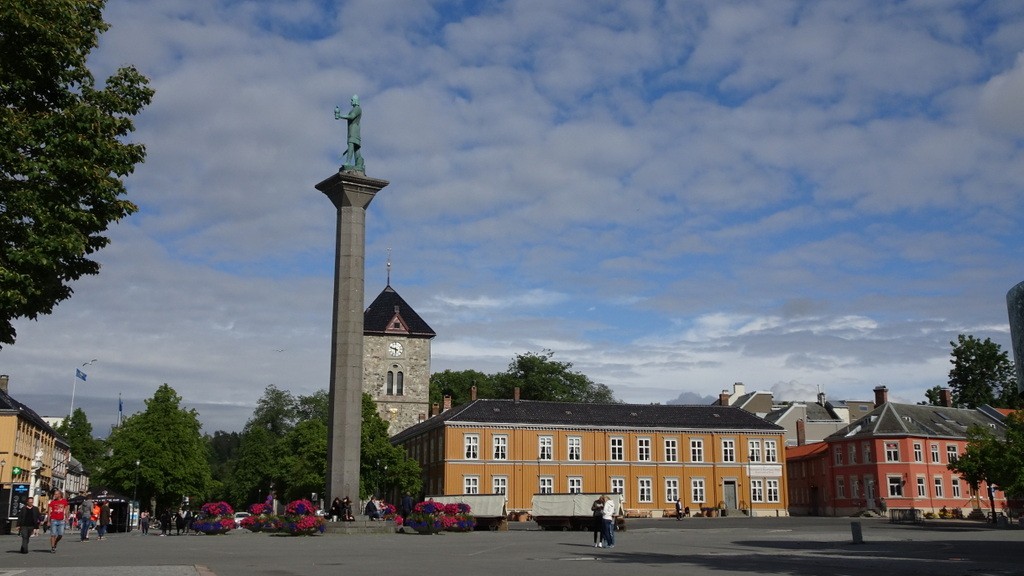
[396, 360]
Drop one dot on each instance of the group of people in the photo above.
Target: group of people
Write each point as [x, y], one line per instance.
[56, 518]
[604, 511]
[341, 510]
[180, 521]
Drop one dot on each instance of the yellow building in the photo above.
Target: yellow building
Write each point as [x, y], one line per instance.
[27, 444]
[708, 456]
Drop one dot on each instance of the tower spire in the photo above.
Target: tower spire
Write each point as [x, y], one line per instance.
[389, 267]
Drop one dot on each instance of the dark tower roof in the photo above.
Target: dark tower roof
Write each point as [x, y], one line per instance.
[389, 314]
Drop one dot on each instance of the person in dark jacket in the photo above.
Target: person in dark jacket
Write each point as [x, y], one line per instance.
[28, 522]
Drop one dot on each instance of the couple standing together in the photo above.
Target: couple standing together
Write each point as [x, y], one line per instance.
[604, 522]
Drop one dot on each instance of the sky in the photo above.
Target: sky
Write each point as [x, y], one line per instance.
[671, 196]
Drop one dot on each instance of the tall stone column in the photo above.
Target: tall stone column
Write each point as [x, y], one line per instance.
[351, 194]
[1015, 307]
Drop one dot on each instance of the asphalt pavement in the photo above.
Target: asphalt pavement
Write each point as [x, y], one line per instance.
[692, 546]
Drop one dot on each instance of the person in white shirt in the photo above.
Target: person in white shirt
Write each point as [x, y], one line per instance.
[609, 522]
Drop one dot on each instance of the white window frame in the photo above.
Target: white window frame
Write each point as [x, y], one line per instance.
[771, 451]
[471, 484]
[471, 442]
[837, 455]
[892, 451]
[671, 450]
[895, 486]
[545, 447]
[617, 449]
[840, 487]
[500, 442]
[935, 454]
[546, 485]
[671, 489]
[618, 484]
[922, 487]
[499, 485]
[728, 450]
[772, 489]
[754, 450]
[696, 450]
[954, 486]
[866, 449]
[643, 449]
[756, 490]
[645, 490]
[937, 486]
[574, 448]
[698, 492]
[575, 484]
[918, 452]
[951, 453]
[852, 454]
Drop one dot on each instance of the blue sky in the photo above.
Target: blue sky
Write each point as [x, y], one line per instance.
[673, 196]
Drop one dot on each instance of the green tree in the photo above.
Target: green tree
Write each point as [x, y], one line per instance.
[933, 396]
[78, 432]
[982, 374]
[997, 461]
[166, 441]
[301, 463]
[384, 469]
[63, 152]
[222, 448]
[539, 377]
[458, 384]
[252, 470]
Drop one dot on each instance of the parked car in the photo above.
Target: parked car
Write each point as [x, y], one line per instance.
[238, 518]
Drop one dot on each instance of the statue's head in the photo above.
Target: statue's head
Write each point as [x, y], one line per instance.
[355, 99]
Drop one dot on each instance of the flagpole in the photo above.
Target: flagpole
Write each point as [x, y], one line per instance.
[74, 384]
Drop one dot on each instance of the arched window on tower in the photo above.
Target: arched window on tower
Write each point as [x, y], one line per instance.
[391, 383]
[400, 385]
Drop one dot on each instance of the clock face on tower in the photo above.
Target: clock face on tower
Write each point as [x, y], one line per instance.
[395, 349]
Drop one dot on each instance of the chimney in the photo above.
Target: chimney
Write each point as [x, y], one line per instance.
[515, 394]
[4, 379]
[739, 389]
[447, 403]
[801, 432]
[723, 398]
[433, 410]
[472, 393]
[821, 399]
[422, 416]
[881, 395]
[945, 397]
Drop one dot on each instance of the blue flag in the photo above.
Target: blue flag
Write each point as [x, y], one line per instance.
[79, 374]
[120, 406]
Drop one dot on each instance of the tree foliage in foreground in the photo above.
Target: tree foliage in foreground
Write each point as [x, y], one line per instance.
[62, 152]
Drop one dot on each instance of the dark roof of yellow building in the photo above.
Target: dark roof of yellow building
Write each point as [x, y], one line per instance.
[493, 412]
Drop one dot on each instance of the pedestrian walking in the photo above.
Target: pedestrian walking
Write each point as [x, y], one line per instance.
[104, 520]
[57, 512]
[84, 517]
[28, 521]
